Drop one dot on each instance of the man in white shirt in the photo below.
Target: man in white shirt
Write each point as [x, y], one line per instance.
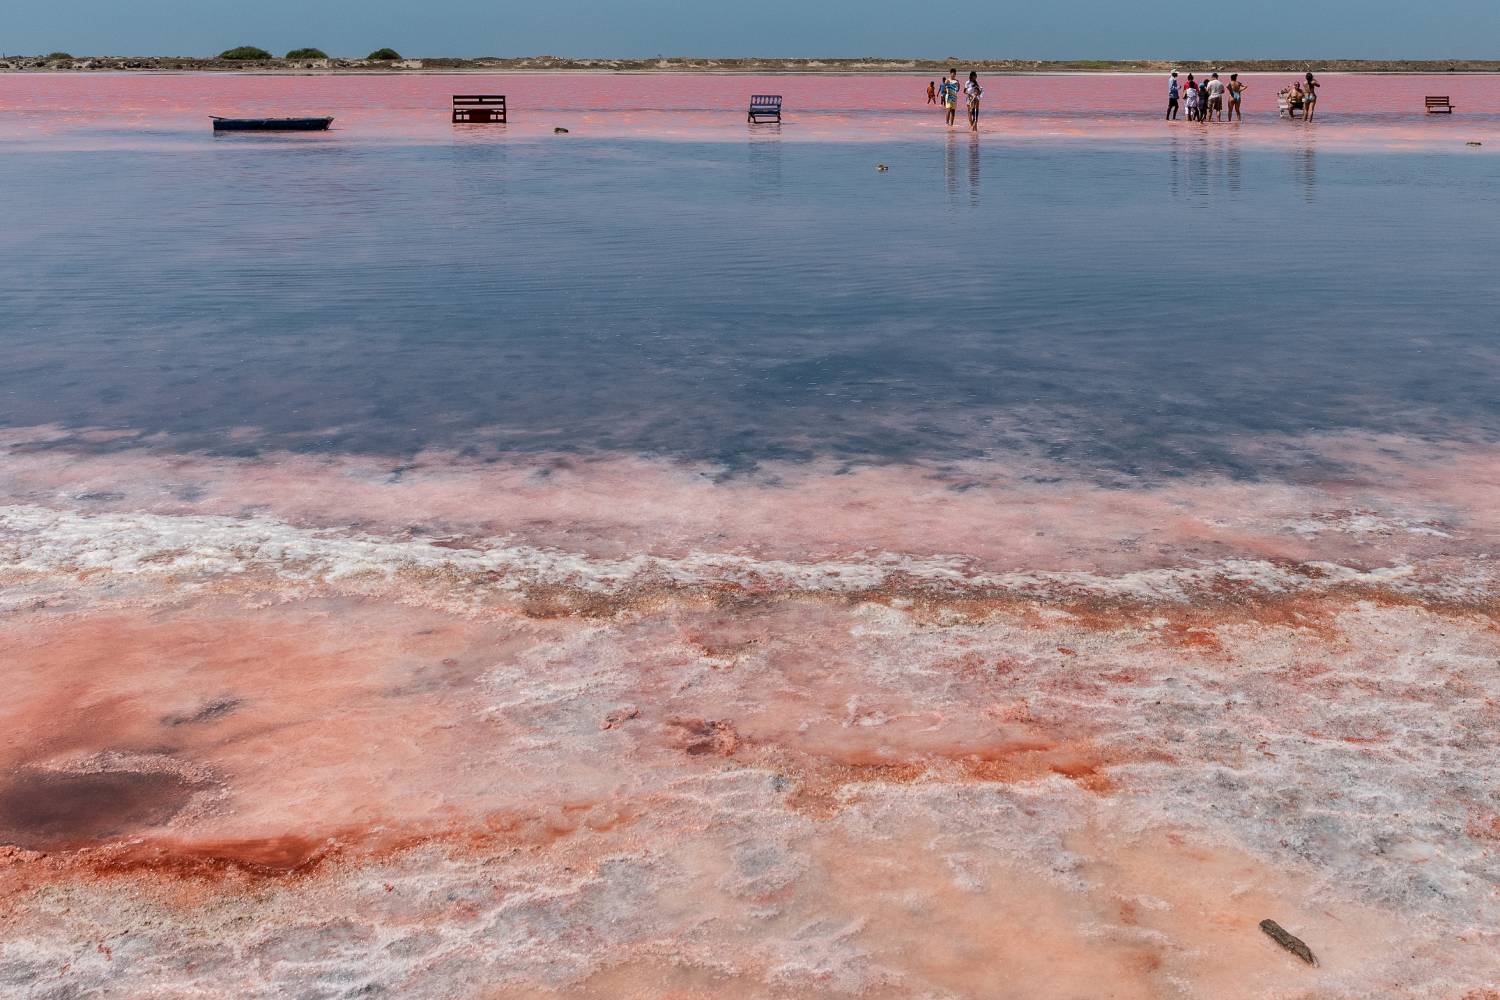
[1215, 97]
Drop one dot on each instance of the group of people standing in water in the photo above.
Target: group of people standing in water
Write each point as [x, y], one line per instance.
[946, 94]
[1208, 100]
[1212, 99]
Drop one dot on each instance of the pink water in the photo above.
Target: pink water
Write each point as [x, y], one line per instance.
[1361, 108]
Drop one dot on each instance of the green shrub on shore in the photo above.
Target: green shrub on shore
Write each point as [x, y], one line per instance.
[307, 54]
[384, 55]
[54, 56]
[245, 52]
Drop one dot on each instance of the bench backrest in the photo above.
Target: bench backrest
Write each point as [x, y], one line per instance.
[479, 109]
[1436, 101]
[765, 101]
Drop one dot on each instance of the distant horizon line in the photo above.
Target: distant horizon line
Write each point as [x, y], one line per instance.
[890, 60]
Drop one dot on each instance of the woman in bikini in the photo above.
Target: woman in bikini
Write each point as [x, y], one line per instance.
[1236, 89]
[1310, 97]
[972, 91]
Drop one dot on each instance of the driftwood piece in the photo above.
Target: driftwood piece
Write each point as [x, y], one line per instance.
[1288, 940]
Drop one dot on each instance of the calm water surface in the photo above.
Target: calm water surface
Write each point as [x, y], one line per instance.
[1095, 286]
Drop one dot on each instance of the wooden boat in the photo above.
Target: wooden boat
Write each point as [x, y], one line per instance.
[271, 124]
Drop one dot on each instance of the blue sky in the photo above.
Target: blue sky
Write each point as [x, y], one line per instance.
[1041, 29]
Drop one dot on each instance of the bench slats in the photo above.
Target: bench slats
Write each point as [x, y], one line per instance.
[765, 106]
[1439, 104]
[479, 109]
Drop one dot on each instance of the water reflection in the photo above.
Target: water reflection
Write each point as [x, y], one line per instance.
[974, 169]
[1305, 171]
[950, 166]
[1205, 164]
[635, 296]
[764, 160]
[956, 179]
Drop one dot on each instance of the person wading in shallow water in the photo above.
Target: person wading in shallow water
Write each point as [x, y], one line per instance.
[949, 94]
[931, 91]
[1310, 97]
[1215, 108]
[1236, 92]
[1172, 95]
[972, 92]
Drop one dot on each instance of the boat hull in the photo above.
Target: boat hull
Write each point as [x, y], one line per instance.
[272, 124]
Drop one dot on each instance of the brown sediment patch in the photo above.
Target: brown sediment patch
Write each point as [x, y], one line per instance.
[824, 777]
[1484, 828]
[62, 810]
[534, 829]
[1079, 763]
[1191, 624]
[1196, 637]
[168, 861]
[1188, 623]
[553, 603]
[700, 737]
[819, 790]
[261, 857]
[209, 712]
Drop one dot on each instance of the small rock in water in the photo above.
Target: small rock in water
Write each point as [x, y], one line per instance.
[1288, 940]
[881, 167]
[1473, 144]
[560, 130]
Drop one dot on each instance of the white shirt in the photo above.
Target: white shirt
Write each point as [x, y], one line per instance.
[1215, 88]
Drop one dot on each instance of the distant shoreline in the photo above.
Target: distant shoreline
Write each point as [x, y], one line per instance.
[544, 64]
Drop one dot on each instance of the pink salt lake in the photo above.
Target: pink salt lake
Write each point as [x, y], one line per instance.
[1383, 110]
[441, 570]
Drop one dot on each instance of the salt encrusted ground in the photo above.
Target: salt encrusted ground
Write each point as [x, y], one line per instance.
[613, 728]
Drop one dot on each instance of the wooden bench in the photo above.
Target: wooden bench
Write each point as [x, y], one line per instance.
[479, 109]
[766, 106]
[1439, 105]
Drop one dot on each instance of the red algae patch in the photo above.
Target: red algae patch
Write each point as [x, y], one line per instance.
[165, 859]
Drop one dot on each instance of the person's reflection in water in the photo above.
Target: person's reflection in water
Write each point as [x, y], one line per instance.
[1305, 167]
[765, 161]
[1175, 175]
[1232, 165]
[950, 167]
[974, 169]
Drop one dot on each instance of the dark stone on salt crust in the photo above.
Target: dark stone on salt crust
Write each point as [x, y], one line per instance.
[1288, 940]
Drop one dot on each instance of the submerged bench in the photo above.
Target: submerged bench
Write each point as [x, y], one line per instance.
[479, 109]
[1439, 105]
[766, 106]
